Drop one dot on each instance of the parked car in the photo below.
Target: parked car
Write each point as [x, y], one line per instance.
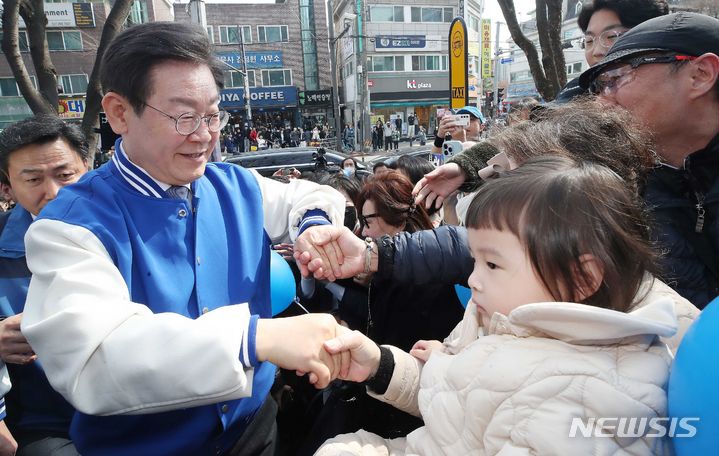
[389, 160]
[266, 162]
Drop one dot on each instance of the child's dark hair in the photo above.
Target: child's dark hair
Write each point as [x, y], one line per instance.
[560, 210]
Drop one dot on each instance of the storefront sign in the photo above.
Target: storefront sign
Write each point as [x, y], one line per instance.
[84, 14]
[71, 108]
[458, 64]
[254, 59]
[67, 15]
[413, 84]
[526, 89]
[399, 84]
[315, 97]
[486, 48]
[383, 43]
[260, 97]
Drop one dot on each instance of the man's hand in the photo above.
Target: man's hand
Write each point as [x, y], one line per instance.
[423, 348]
[364, 355]
[296, 343]
[448, 124]
[13, 345]
[437, 185]
[330, 253]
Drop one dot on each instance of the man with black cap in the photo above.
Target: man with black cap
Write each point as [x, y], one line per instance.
[665, 71]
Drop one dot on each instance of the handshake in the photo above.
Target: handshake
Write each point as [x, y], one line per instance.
[316, 344]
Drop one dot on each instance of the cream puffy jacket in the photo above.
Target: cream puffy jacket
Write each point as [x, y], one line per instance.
[515, 390]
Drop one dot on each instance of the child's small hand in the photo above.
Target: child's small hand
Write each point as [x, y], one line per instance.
[423, 348]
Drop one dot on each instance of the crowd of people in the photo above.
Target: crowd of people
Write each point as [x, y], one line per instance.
[237, 139]
[135, 297]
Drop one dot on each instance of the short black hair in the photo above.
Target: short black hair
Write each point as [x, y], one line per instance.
[379, 165]
[631, 12]
[39, 129]
[130, 58]
[413, 167]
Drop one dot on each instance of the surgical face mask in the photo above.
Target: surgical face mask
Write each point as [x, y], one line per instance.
[349, 171]
[350, 217]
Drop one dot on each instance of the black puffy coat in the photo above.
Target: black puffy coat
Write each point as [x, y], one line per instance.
[675, 198]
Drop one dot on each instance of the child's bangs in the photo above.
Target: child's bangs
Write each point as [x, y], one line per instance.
[499, 207]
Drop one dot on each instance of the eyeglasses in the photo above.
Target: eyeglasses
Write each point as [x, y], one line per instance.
[363, 218]
[605, 39]
[612, 80]
[188, 123]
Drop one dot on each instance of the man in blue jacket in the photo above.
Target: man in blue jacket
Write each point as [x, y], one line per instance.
[150, 297]
[38, 156]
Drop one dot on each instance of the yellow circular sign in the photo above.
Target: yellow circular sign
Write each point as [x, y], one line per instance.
[457, 43]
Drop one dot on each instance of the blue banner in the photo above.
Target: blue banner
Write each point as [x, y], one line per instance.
[254, 59]
[259, 97]
[400, 42]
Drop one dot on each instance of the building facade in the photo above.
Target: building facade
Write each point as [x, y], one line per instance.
[393, 58]
[286, 56]
[73, 35]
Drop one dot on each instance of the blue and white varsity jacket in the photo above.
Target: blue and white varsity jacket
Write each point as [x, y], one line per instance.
[35, 406]
[144, 310]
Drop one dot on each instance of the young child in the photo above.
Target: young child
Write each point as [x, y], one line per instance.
[562, 329]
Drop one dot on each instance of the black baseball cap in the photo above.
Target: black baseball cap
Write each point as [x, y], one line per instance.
[683, 33]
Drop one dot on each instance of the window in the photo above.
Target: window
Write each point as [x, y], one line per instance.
[210, 34]
[473, 64]
[574, 68]
[431, 14]
[388, 63]
[235, 79]
[138, 13]
[429, 63]
[272, 33]
[8, 88]
[348, 70]
[386, 14]
[474, 23]
[230, 34]
[22, 38]
[520, 76]
[73, 84]
[272, 78]
[64, 41]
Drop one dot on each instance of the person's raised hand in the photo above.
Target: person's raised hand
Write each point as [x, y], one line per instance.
[438, 184]
[14, 348]
[364, 355]
[296, 343]
[329, 252]
[423, 348]
[448, 124]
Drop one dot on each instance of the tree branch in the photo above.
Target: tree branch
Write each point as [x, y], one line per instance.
[113, 25]
[11, 49]
[33, 12]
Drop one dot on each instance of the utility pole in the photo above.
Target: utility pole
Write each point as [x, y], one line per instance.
[365, 105]
[333, 68]
[197, 12]
[248, 109]
[495, 109]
